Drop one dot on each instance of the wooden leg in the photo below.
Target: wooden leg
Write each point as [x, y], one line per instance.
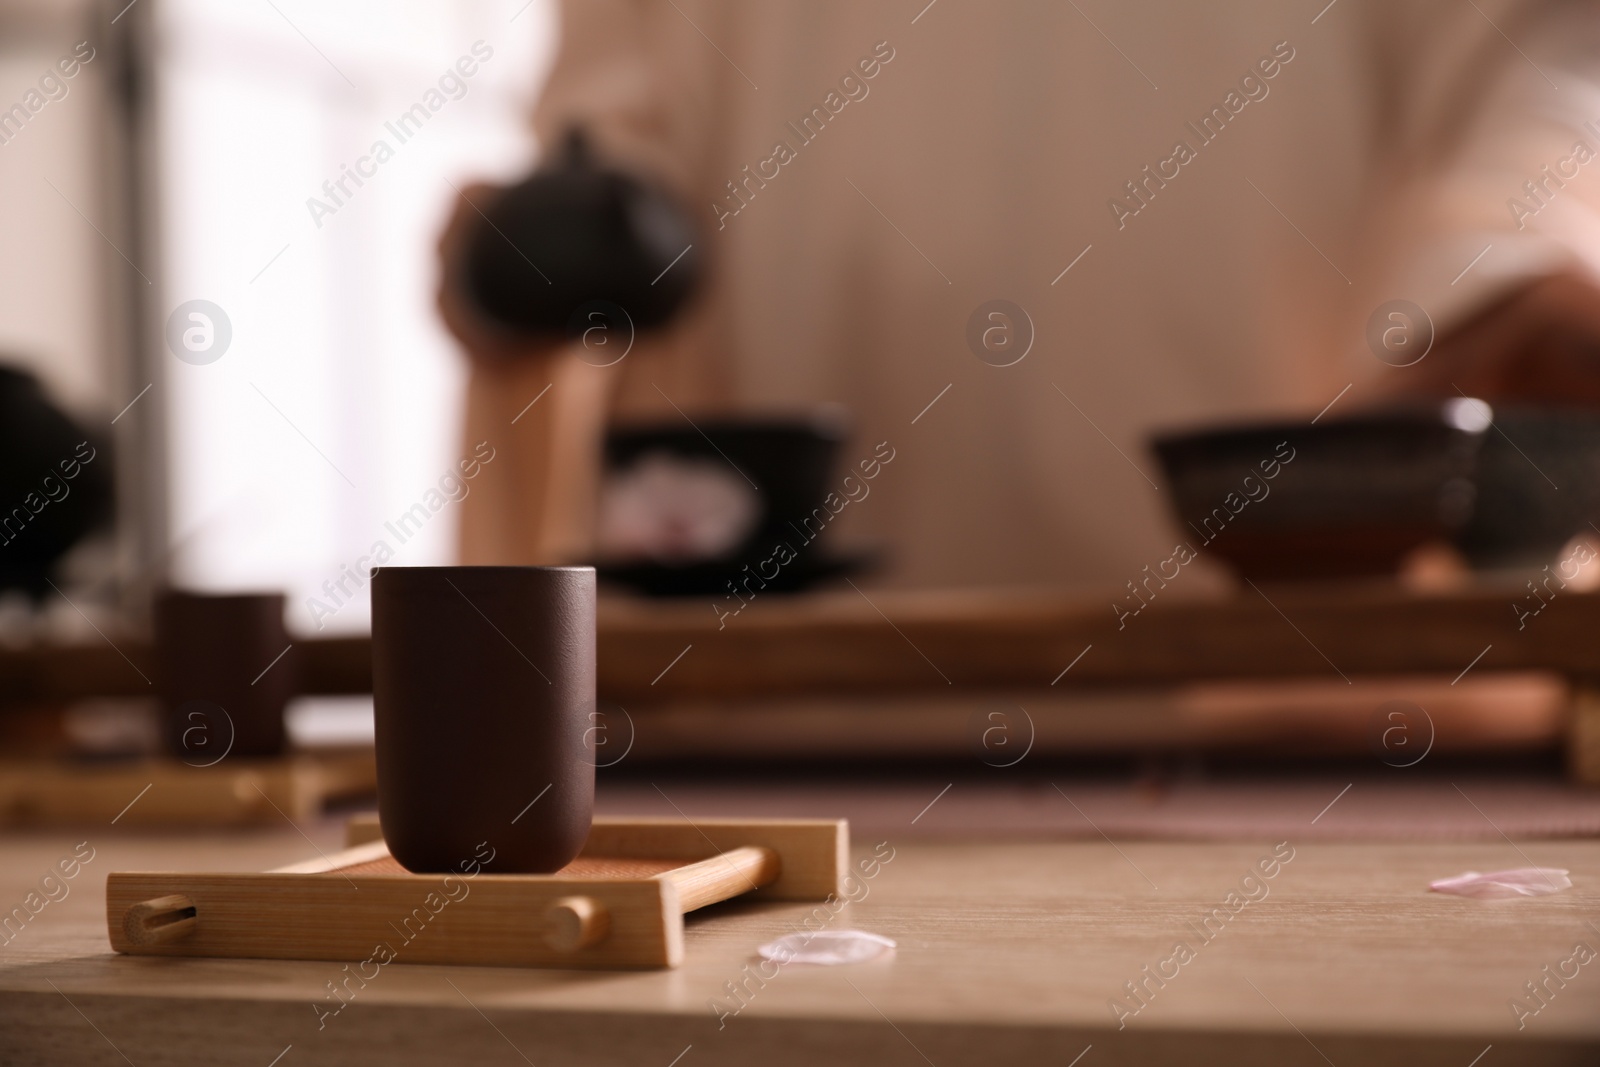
[1583, 733]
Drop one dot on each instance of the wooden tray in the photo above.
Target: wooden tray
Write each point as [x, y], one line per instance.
[166, 792]
[618, 905]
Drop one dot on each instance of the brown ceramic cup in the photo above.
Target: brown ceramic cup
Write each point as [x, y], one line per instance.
[223, 674]
[483, 681]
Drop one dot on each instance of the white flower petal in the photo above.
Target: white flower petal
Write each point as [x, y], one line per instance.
[826, 947]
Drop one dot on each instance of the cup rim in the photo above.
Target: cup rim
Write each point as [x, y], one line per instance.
[578, 568]
[231, 596]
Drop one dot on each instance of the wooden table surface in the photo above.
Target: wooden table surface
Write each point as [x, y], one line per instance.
[1009, 952]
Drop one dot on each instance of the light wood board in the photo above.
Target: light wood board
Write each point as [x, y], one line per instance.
[619, 905]
[1007, 953]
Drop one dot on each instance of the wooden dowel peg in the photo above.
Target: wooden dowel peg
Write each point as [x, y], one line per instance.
[576, 922]
[160, 921]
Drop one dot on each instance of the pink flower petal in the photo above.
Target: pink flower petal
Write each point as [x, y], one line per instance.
[826, 947]
[1499, 885]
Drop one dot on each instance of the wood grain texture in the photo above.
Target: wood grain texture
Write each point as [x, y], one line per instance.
[1488, 713]
[159, 920]
[575, 922]
[358, 855]
[813, 855]
[1007, 953]
[748, 868]
[352, 905]
[1583, 734]
[839, 642]
[488, 920]
[165, 792]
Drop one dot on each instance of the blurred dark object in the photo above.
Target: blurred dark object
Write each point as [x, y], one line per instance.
[1354, 496]
[1538, 479]
[222, 674]
[577, 233]
[715, 578]
[55, 483]
[781, 467]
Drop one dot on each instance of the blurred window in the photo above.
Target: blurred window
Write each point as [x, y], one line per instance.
[306, 160]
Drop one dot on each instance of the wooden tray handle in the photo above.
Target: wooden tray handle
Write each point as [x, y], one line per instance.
[724, 875]
[161, 920]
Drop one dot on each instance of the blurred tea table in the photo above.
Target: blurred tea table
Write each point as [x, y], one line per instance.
[884, 673]
[1008, 953]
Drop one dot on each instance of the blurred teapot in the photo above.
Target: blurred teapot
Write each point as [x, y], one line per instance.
[577, 232]
[52, 492]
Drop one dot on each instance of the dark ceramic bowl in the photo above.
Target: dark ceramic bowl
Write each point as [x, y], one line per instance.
[787, 464]
[1353, 496]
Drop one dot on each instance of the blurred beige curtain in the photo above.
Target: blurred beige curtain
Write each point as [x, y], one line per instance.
[855, 222]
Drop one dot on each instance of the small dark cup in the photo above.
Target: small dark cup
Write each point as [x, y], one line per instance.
[483, 680]
[218, 663]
